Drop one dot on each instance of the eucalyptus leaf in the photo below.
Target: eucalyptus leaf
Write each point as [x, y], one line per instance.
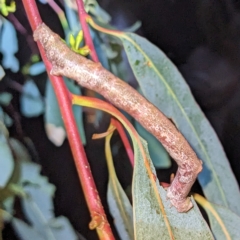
[39, 213]
[72, 17]
[9, 46]
[153, 221]
[159, 155]
[4, 118]
[99, 13]
[31, 101]
[5, 98]
[62, 228]
[6, 161]
[38, 207]
[2, 73]
[43, 1]
[8, 204]
[4, 216]
[53, 120]
[37, 68]
[134, 27]
[8, 120]
[118, 202]
[120, 209]
[100, 49]
[31, 177]
[20, 151]
[25, 231]
[231, 223]
[163, 85]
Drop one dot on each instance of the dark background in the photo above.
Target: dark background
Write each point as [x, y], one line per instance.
[201, 37]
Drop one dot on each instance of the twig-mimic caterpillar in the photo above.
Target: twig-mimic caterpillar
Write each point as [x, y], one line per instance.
[93, 76]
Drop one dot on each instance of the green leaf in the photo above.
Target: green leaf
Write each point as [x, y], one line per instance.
[224, 223]
[24, 231]
[4, 118]
[163, 85]
[31, 178]
[72, 17]
[5, 98]
[4, 216]
[118, 202]
[231, 221]
[38, 208]
[62, 229]
[9, 46]
[93, 7]
[2, 73]
[37, 68]
[19, 150]
[6, 161]
[159, 155]
[8, 204]
[38, 205]
[153, 221]
[71, 40]
[53, 120]
[31, 101]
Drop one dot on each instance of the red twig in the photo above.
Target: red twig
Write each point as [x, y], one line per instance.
[99, 220]
[22, 30]
[125, 140]
[87, 36]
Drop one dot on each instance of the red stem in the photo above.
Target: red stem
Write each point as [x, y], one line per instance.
[54, 6]
[99, 220]
[125, 140]
[87, 36]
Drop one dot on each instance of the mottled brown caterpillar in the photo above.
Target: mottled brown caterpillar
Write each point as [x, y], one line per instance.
[93, 76]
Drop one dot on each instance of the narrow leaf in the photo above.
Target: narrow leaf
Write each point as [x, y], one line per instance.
[163, 85]
[224, 223]
[53, 120]
[6, 161]
[62, 229]
[4, 118]
[5, 98]
[153, 221]
[38, 207]
[72, 18]
[118, 202]
[32, 104]
[2, 73]
[9, 46]
[37, 68]
[19, 150]
[157, 152]
[24, 231]
[37, 203]
[39, 190]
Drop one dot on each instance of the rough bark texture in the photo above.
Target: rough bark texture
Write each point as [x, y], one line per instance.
[93, 76]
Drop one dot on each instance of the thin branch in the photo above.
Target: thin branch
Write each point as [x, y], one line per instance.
[87, 36]
[125, 140]
[93, 76]
[99, 220]
[59, 12]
